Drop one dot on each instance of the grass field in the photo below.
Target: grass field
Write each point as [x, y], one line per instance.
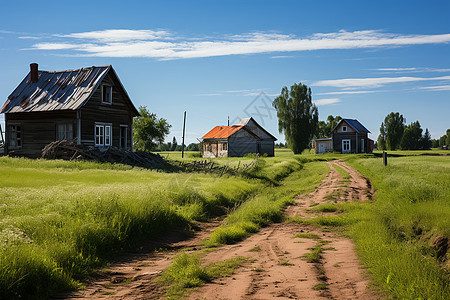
[60, 221]
[398, 235]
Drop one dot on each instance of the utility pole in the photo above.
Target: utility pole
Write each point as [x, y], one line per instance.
[182, 143]
[228, 120]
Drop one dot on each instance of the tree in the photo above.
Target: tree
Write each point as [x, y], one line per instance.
[448, 137]
[149, 130]
[442, 140]
[381, 143]
[325, 128]
[193, 147]
[174, 144]
[412, 137]
[391, 130]
[297, 116]
[427, 143]
[435, 143]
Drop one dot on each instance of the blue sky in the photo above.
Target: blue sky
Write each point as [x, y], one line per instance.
[219, 59]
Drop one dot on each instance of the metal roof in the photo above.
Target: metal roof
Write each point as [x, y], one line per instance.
[354, 124]
[245, 121]
[222, 132]
[57, 90]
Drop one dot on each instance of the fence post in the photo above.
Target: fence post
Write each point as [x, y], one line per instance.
[385, 158]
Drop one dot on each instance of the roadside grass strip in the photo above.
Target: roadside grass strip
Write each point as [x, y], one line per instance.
[398, 237]
[186, 272]
[344, 174]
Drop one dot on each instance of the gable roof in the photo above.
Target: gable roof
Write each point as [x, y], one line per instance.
[59, 90]
[245, 121]
[353, 123]
[222, 132]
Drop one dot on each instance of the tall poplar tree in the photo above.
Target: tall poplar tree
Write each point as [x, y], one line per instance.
[297, 116]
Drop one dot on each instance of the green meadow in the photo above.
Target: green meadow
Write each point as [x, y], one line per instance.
[61, 221]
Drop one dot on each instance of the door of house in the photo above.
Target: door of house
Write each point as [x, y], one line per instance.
[123, 136]
[346, 146]
[321, 148]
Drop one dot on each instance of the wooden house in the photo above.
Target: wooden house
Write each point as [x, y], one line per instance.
[348, 136]
[89, 105]
[238, 140]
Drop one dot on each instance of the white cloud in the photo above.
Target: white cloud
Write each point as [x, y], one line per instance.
[411, 70]
[346, 93]
[282, 56]
[160, 44]
[437, 88]
[373, 82]
[327, 101]
[118, 35]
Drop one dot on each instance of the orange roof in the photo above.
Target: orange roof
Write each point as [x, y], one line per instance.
[221, 132]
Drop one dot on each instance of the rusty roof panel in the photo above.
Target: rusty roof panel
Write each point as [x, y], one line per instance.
[55, 90]
[222, 132]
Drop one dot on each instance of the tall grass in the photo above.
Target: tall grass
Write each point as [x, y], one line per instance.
[268, 205]
[395, 234]
[61, 220]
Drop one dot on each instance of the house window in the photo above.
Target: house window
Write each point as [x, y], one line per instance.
[362, 146]
[209, 147]
[224, 146]
[106, 94]
[64, 131]
[344, 128]
[102, 134]
[346, 145]
[15, 136]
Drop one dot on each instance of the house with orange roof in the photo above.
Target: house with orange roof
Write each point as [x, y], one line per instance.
[238, 140]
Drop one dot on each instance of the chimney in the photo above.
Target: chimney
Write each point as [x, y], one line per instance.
[34, 72]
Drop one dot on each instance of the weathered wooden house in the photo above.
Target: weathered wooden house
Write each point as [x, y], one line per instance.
[348, 136]
[89, 105]
[238, 140]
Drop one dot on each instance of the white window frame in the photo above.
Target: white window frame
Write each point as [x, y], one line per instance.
[344, 128]
[344, 143]
[104, 136]
[225, 146]
[67, 129]
[109, 100]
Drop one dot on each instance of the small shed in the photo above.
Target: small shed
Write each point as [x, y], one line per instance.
[238, 140]
[89, 105]
[323, 145]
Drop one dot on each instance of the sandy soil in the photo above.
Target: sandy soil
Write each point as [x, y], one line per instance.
[276, 268]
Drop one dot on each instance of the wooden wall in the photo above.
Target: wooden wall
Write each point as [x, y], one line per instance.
[118, 113]
[338, 137]
[38, 129]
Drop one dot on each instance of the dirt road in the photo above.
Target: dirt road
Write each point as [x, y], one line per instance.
[277, 266]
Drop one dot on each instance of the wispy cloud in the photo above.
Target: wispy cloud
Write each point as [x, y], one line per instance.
[410, 70]
[321, 102]
[373, 82]
[161, 44]
[346, 93]
[244, 92]
[437, 88]
[118, 35]
[282, 56]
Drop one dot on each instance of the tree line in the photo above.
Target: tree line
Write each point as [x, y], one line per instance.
[298, 119]
[395, 134]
